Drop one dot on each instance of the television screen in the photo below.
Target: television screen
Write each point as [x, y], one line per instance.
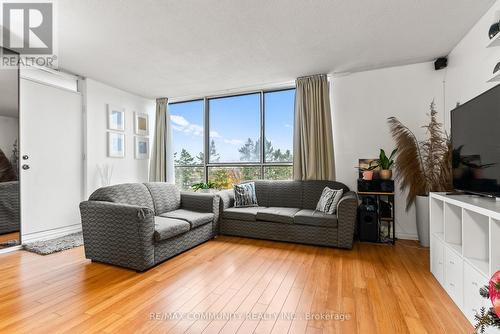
[475, 136]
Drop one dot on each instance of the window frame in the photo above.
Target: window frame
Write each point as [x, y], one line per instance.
[262, 164]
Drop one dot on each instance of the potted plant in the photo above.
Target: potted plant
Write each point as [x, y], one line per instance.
[385, 164]
[422, 167]
[204, 187]
[367, 172]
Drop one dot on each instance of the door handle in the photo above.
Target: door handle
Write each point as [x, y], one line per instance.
[26, 167]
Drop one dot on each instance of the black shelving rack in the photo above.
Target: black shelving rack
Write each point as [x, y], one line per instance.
[390, 238]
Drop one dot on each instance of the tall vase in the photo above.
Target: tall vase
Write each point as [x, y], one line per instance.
[422, 213]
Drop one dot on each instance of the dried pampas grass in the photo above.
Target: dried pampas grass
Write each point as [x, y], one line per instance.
[425, 166]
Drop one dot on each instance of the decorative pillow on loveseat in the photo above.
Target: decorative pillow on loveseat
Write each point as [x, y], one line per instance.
[244, 195]
[329, 199]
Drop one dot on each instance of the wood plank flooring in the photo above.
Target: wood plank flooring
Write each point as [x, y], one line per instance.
[9, 237]
[231, 285]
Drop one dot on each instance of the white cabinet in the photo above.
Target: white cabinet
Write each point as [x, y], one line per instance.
[473, 281]
[437, 259]
[465, 247]
[453, 276]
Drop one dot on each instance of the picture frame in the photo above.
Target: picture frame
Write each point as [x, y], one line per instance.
[116, 118]
[141, 124]
[141, 148]
[116, 145]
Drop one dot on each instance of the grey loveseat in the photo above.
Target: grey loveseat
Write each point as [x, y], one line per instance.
[10, 210]
[140, 225]
[286, 212]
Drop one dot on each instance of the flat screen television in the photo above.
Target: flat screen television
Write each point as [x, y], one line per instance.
[475, 137]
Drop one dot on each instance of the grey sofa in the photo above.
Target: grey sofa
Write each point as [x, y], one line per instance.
[140, 225]
[10, 210]
[286, 212]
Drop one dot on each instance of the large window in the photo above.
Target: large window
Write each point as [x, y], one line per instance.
[227, 140]
[186, 120]
[235, 128]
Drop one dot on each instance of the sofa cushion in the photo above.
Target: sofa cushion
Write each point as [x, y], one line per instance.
[247, 214]
[315, 218]
[194, 218]
[277, 214]
[279, 193]
[127, 193]
[166, 228]
[311, 191]
[166, 197]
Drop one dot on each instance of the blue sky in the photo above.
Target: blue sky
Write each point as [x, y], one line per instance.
[232, 121]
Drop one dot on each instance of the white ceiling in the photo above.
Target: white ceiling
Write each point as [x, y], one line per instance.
[180, 48]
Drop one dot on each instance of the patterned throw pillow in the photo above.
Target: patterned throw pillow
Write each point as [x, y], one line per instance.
[329, 199]
[244, 195]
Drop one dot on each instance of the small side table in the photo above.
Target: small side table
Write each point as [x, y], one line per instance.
[390, 221]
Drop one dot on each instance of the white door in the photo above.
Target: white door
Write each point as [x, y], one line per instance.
[52, 160]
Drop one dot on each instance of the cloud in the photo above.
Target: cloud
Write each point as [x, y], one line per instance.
[288, 126]
[233, 141]
[215, 134]
[179, 120]
[179, 123]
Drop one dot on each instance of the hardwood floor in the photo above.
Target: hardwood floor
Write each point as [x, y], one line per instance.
[376, 288]
[9, 237]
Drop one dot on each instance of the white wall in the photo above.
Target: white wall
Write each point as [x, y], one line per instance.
[361, 104]
[470, 64]
[9, 133]
[126, 169]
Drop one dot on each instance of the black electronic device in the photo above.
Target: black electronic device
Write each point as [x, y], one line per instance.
[377, 185]
[440, 63]
[475, 138]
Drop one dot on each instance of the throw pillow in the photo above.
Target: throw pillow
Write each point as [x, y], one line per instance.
[244, 195]
[329, 199]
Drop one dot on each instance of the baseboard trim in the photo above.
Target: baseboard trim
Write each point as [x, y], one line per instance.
[51, 234]
[406, 236]
[10, 249]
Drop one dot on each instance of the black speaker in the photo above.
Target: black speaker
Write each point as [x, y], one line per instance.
[368, 220]
[440, 63]
[376, 185]
[368, 226]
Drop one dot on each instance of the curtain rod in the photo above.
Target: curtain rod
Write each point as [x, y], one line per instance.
[240, 90]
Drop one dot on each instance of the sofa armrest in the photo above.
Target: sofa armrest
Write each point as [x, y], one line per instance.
[200, 202]
[226, 199]
[347, 210]
[118, 234]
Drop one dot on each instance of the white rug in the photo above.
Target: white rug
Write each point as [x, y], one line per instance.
[45, 247]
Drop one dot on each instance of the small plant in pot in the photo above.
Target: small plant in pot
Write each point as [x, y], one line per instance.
[367, 172]
[385, 164]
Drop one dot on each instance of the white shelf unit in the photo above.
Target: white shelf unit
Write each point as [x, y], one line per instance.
[495, 41]
[465, 247]
[495, 77]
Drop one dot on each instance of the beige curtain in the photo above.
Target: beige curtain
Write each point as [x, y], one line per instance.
[161, 165]
[313, 138]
